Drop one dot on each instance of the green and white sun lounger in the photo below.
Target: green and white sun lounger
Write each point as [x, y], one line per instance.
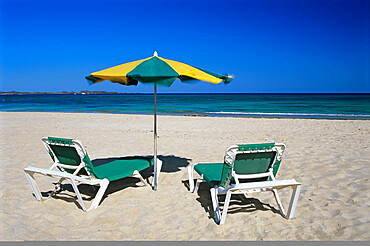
[246, 169]
[72, 163]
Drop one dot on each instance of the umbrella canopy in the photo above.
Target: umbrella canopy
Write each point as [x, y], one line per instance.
[155, 70]
[158, 71]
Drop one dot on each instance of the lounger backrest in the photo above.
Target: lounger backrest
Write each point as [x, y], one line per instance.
[257, 158]
[70, 153]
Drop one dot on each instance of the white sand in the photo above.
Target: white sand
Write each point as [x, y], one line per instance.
[329, 157]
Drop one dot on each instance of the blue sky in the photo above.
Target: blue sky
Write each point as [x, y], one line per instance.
[270, 46]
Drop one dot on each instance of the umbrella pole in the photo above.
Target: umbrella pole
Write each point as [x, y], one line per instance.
[155, 137]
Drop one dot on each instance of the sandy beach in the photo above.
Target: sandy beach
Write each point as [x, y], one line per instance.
[329, 157]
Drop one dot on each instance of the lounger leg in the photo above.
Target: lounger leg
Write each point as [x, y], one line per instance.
[33, 184]
[103, 187]
[293, 201]
[35, 188]
[191, 178]
[199, 180]
[56, 187]
[75, 188]
[226, 207]
[138, 175]
[215, 204]
[278, 201]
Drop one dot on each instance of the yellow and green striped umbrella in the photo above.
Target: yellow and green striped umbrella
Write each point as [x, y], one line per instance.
[155, 70]
[158, 71]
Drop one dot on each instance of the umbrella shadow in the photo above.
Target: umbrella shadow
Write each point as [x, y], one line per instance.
[238, 202]
[169, 164]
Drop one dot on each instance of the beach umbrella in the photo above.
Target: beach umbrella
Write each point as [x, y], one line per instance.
[158, 71]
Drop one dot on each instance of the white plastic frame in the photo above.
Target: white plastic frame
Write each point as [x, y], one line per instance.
[74, 179]
[252, 187]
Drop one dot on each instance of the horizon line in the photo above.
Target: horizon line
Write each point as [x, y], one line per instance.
[151, 93]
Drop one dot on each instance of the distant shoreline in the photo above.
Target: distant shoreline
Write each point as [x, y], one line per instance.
[86, 92]
[65, 93]
[205, 115]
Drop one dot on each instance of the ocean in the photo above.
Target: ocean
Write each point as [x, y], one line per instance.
[323, 106]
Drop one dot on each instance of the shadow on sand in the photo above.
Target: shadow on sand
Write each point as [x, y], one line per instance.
[238, 203]
[170, 164]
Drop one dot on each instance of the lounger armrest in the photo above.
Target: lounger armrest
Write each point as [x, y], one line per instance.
[59, 174]
[48, 172]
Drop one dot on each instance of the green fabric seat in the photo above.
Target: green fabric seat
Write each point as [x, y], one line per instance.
[212, 172]
[218, 174]
[66, 155]
[256, 162]
[253, 162]
[113, 170]
[73, 165]
[246, 169]
[120, 168]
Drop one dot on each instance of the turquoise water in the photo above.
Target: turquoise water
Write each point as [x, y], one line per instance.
[329, 106]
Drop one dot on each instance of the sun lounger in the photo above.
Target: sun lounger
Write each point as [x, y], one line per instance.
[246, 169]
[72, 164]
